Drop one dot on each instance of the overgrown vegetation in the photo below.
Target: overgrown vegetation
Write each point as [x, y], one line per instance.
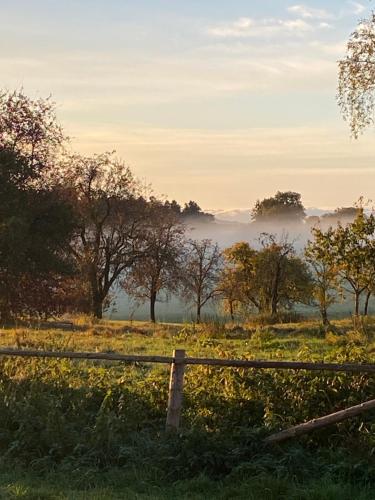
[77, 418]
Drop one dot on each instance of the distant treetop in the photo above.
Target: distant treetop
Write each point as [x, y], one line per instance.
[191, 210]
[284, 206]
[342, 214]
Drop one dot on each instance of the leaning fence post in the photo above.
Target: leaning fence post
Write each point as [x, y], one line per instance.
[176, 384]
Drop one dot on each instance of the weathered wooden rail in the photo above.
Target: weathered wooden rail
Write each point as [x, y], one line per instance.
[179, 360]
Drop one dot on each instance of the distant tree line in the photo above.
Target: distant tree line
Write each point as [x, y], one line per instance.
[74, 229]
[286, 208]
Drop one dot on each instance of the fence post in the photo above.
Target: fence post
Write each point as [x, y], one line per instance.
[176, 384]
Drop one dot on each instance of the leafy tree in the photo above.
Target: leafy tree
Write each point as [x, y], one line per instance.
[35, 230]
[201, 273]
[285, 277]
[268, 278]
[192, 210]
[239, 281]
[351, 250]
[28, 127]
[229, 289]
[284, 206]
[157, 270]
[35, 224]
[325, 276]
[356, 89]
[111, 222]
[173, 206]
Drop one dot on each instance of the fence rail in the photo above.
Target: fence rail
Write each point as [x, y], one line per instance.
[230, 363]
[178, 362]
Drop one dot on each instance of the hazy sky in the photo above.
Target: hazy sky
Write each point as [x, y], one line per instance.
[220, 101]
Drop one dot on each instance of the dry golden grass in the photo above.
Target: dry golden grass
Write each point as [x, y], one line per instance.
[282, 341]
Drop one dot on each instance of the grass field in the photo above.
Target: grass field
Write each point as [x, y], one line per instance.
[78, 429]
[117, 485]
[285, 341]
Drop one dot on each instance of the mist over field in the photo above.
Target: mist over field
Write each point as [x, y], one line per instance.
[230, 227]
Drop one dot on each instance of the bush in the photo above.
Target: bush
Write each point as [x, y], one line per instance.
[281, 317]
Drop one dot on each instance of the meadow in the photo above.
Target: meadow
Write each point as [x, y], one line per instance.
[90, 429]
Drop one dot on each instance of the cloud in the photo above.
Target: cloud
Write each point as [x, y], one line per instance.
[244, 22]
[357, 8]
[245, 27]
[309, 12]
[325, 25]
[336, 49]
[240, 165]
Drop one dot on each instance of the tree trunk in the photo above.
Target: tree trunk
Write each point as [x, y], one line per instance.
[274, 307]
[356, 303]
[198, 313]
[97, 308]
[367, 301]
[231, 310]
[97, 297]
[324, 315]
[152, 306]
[275, 290]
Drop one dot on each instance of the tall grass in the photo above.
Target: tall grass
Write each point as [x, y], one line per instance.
[96, 420]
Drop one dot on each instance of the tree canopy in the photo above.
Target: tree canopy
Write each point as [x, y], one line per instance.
[284, 206]
[356, 88]
[35, 230]
[268, 278]
[111, 221]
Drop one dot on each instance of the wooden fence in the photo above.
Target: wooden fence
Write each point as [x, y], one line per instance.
[179, 360]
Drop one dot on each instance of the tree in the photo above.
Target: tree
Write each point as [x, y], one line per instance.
[111, 221]
[28, 127]
[229, 289]
[157, 270]
[268, 278]
[239, 282]
[326, 280]
[351, 250]
[201, 273]
[343, 215]
[192, 210]
[173, 206]
[286, 278]
[35, 224]
[284, 206]
[356, 88]
[35, 230]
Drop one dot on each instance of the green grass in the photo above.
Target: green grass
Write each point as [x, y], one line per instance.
[116, 485]
[282, 341]
[80, 429]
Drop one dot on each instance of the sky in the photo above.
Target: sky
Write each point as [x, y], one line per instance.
[221, 102]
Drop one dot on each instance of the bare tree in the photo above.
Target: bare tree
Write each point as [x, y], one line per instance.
[201, 273]
[157, 271]
[111, 221]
